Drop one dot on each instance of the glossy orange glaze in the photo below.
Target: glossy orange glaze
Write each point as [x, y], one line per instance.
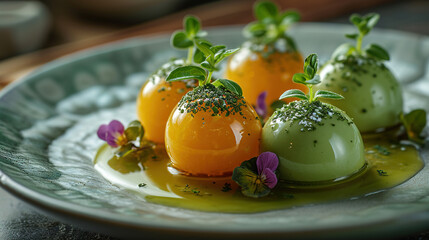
[155, 102]
[256, 74]
[206, 145]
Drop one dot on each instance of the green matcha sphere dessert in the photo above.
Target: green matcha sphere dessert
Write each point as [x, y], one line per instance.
[372, 95]
[316, 142]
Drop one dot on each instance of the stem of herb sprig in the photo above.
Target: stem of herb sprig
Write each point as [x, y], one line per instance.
[190, 55]
[209, 78]
[310, 93]
[359, 43]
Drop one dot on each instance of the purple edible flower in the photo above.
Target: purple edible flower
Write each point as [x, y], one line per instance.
[113, 133]
[261, 106]
[267, 163]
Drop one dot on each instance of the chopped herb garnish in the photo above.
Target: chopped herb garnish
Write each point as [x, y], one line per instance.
[226, 187]
[142, 185]
[208, 98]
[382, 150]
[308, 115]
[382, 173]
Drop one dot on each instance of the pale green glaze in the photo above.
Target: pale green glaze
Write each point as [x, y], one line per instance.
[372, 95]
[333, 150]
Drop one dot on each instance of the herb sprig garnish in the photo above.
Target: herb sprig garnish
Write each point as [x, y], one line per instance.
[185, 39]
[364, 25]
[270, 27]
[309, 78]
[211, 55]
[219, 96]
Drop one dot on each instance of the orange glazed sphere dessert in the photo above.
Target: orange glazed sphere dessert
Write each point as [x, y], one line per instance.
[211, 132]
[157, 99]
[256, 73]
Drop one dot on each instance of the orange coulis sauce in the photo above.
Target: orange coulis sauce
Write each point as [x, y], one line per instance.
[256, 73]
[204, 145]
[155, 102]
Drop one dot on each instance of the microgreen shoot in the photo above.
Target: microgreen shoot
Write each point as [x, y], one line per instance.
[209, 56]
[185, 39]
[309, 78]
[364, 25]
[271, 25]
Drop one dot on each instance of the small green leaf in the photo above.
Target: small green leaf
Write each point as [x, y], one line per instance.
[299, 78]
[223, 54]
[353, 36]
[266, 10]
[187, 72]
[372, 20]
[294, 93]
[290, 43]
[217, 48]
[355, 19]
[254, 29]
[311, 65]
[343, 50]
[327, 94]
[199, 56]
[192, 26]
[207, 66]
[230, 85]
[309, 70]
[314, 81]
[414, 123]
[180, 40]
[375, 51]
[134, 131]
[204, 46]
[229, 52]
[289, 17]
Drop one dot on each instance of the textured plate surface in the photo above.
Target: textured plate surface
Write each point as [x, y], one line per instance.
[49, 119]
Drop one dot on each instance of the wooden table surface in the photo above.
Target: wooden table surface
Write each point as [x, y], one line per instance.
[20, 221]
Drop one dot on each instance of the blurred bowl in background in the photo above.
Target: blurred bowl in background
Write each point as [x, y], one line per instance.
[24, 26]
[125, 10]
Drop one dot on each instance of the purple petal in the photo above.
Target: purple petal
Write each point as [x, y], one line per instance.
[111, 139]
[102, 132]
[261, 106]
[267, 160]
[270, 178]
[116, 127]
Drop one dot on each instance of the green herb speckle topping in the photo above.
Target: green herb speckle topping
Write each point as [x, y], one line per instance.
[308, 115]
[209, 98]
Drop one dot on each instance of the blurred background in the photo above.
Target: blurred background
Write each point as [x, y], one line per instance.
[35, 32]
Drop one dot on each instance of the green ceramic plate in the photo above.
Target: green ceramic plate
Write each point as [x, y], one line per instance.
[48, 122]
